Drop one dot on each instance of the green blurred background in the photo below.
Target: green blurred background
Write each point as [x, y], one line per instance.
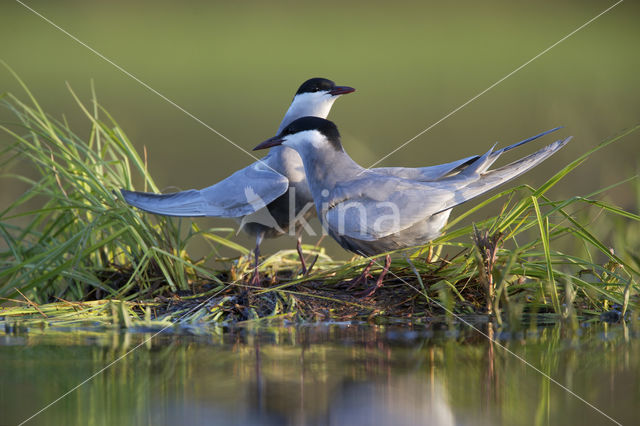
[237, 65]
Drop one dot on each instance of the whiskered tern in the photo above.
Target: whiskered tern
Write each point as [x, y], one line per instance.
[259, 194]
[370, 212]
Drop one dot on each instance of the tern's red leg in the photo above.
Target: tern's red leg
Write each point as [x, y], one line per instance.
[362, 277]
[301, 255]
[379, 282]
[255, 280]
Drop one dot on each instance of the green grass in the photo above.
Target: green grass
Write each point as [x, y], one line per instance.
[71, 243]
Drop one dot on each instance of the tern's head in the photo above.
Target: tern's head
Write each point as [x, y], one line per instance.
[306, 133]
[314, 88]
[315, 97]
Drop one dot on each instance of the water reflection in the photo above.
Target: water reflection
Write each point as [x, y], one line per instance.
[322, 374]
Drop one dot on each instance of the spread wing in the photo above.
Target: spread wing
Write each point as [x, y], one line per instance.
[441, 171]
[476, 179]
[377, 205]
[242, 193]
[429, 173]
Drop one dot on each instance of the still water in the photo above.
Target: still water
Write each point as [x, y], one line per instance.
[323, 374]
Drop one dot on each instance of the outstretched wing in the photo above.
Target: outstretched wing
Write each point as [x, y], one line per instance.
[376, 205]
[441, 171]
[242, 193]
[476, 180]
[426, 174]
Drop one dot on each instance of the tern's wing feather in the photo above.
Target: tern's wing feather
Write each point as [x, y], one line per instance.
[377, 206]
[471, 186]
[425, 174]
[442, 171]
[242, 193]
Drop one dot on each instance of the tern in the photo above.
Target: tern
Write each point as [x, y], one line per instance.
[259, 195]
[369, 212]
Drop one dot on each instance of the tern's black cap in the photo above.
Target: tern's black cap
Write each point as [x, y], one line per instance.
[326, 127]
[316, 85]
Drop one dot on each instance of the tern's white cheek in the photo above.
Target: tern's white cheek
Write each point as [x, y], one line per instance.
[294, 141]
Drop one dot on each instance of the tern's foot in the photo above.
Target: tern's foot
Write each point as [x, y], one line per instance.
[367, 293]
[371, 290]
[255, 279]
[379, 282]
[362, 278]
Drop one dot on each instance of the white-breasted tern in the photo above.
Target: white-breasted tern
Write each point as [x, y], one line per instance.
[370, 212]
[257, 195]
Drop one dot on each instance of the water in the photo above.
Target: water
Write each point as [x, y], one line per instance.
[321, 374]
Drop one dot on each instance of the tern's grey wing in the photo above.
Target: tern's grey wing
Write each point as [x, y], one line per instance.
[425, 174]
[377, 206]
[242, 193]
[470, 186]
[441, 171]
